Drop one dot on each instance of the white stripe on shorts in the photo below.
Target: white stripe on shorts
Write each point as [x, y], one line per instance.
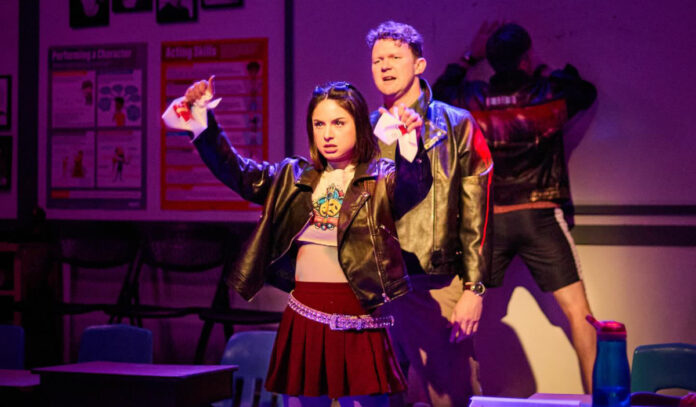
[558, 213]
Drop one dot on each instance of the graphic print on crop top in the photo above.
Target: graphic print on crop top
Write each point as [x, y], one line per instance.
[326, 208]
[327, 200]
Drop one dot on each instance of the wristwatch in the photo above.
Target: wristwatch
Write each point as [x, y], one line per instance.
[477, 288]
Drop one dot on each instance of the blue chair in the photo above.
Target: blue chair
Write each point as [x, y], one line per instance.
[11, 347]
[116, 343]
[664, 366]
[251, 351]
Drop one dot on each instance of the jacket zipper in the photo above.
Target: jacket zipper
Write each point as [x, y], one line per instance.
[374, 248]
[434, 163]
[393, 236]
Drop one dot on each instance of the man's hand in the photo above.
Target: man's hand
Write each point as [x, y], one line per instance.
[409, 117]
[201, 89]
[478, 43]
[465, 316]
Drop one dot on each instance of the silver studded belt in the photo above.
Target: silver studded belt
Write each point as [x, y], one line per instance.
[340, 322]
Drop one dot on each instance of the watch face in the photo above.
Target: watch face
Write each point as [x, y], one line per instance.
[478, 288]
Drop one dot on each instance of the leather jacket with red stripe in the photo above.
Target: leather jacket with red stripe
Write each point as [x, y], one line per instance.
[446, 233]
[522, 118]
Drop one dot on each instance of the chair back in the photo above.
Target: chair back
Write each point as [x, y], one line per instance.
[11, 347]
[664, 366]
[100, 246]
[185, 247]
[116, 343]
[178, 247]
[251, 351]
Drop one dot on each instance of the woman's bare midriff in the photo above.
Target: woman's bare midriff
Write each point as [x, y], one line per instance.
[318, 263]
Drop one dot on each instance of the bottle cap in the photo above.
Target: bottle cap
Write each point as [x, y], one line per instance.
[608, 329]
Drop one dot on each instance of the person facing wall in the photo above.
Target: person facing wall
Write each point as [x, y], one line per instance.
[522, 110]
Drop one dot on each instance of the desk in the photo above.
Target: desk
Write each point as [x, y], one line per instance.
[536, 400]
[542, 400]
[582, 398]
[18, 379]
[18, 387]
[134, 384]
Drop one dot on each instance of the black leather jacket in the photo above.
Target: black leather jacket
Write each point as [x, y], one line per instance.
[368, 251]
[522, 117]
[447, 232]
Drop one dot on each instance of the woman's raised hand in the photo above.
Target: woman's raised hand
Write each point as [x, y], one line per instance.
[202, 90]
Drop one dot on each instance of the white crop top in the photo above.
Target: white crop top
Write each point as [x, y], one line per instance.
[327, 200]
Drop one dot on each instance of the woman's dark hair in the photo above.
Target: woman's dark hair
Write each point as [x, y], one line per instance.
[348, 98]
[506, 47]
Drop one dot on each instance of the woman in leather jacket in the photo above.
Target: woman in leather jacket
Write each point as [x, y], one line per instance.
[326, 232]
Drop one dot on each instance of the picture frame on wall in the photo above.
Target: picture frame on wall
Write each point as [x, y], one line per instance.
[5, 102]
[131, 6]
[177, 11]
[222, 3]
[89, 13]
[5, 162]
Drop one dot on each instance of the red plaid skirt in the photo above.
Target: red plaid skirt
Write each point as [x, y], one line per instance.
[309, 359]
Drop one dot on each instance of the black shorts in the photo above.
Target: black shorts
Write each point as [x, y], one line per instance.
[541, 238]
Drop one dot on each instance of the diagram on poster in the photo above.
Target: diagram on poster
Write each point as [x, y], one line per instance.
[96, 127]
[73, 99]
[119, 99]
[118, 159]
[73, 160]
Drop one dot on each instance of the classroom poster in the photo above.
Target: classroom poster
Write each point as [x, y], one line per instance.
[241, 70]
[96, 127]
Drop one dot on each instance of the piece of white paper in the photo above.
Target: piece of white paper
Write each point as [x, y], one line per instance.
[180, 116]
[389, 129]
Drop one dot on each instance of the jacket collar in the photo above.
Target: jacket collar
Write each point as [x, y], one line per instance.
[509, 81]
[422, 107]
[309, 177]
[426, 96]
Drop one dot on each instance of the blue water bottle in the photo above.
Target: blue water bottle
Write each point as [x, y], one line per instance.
[611, 377]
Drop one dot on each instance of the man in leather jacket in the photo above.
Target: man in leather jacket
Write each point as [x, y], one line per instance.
[444, 238]
[522, 113]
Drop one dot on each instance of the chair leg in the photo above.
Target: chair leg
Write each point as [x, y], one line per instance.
[228, 329]
[135, 294]
[256, 400]
[203, 342]
[237, 396]
[137, 320]
[124, 296]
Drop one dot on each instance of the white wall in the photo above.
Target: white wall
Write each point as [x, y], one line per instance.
[522, 343]
[637, 148]
[9, 43]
